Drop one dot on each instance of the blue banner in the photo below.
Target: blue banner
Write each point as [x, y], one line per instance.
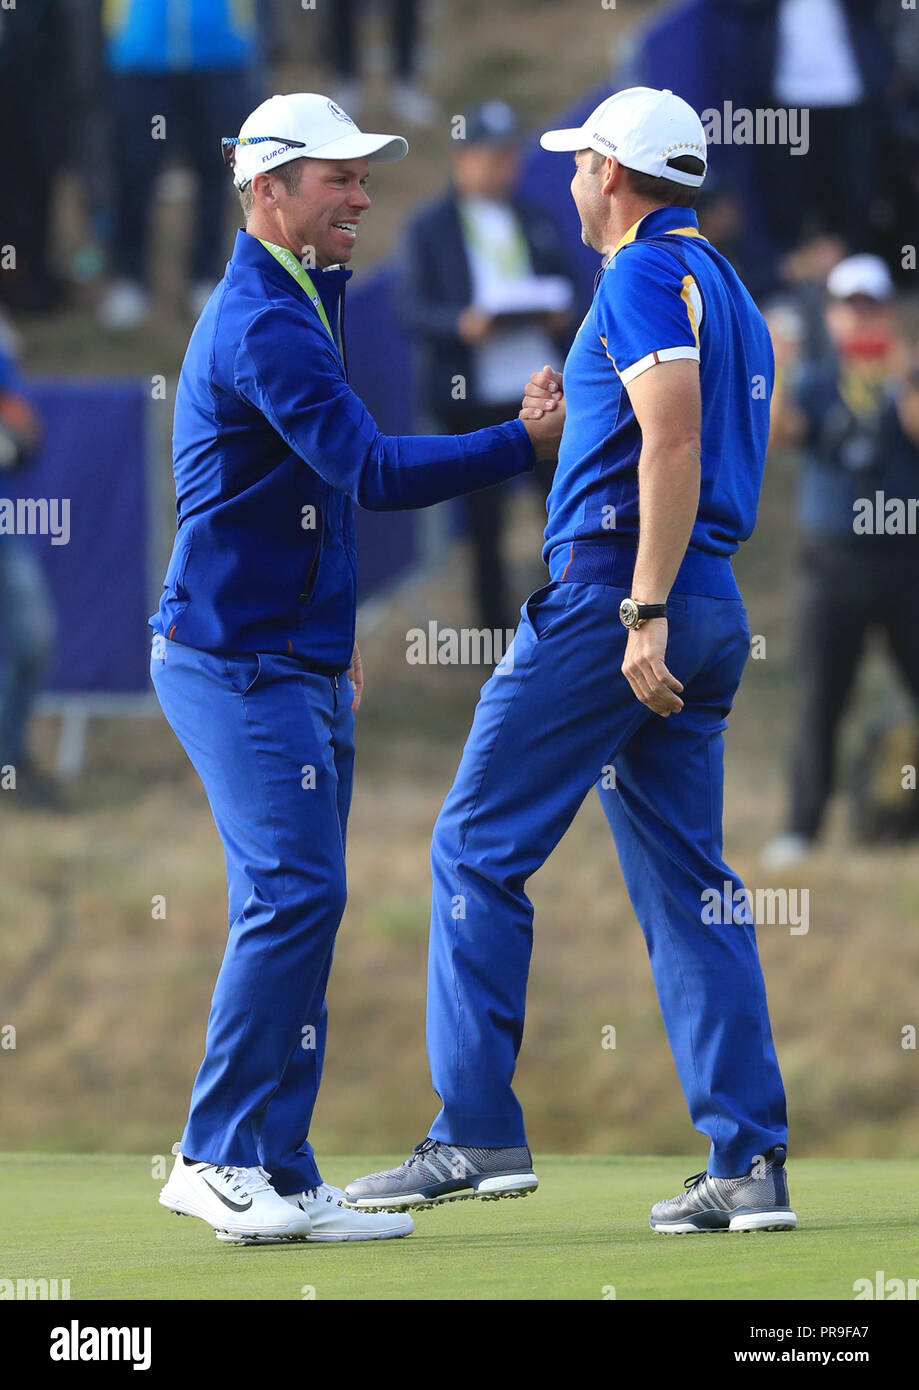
[380, 371]
[91, 471]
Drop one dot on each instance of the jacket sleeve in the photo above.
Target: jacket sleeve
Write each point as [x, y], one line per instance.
[292, 374]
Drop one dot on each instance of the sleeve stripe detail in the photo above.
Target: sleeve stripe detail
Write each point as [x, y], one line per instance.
[652, 358]
[693, 300]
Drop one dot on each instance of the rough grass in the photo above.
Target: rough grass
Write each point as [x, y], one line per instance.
[110, 1003]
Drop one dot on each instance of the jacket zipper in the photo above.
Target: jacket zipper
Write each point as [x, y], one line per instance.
[310, 579]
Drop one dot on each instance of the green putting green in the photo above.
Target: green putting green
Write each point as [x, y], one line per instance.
[95, 1220]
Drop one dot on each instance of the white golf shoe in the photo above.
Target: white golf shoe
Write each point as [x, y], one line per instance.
[331, 1220]
[239, 1203]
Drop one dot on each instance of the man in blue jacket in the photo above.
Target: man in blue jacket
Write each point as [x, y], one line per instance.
[255, 643]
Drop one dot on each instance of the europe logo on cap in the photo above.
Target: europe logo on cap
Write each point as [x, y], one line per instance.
[338, 113]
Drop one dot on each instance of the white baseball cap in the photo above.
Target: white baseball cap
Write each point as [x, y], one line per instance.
[867, 275]
[643, 128]
[302, 125]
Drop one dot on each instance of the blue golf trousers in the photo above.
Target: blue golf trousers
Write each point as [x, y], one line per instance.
[273, 745]
[554, 715]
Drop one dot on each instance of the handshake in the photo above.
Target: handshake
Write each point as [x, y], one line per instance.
[543, 411]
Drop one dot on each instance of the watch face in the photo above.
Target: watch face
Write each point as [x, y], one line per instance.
[628, 612]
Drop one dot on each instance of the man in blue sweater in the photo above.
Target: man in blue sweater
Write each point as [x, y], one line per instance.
[254, 660]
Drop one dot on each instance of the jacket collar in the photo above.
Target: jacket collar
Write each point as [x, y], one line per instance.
[249, 251]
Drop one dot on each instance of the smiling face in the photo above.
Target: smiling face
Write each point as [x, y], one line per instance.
[322, 212]
[586, 190]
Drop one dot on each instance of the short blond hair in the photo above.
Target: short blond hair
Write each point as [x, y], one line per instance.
[289, 173]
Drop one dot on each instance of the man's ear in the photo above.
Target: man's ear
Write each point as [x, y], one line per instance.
[612, 174]
[263, 188]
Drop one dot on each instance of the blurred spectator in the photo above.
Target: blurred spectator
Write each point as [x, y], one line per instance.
[898, 173]
[830, 58]
[710, 52]
[476, 262]
[857, 419]
[409, 101]
[90, 137]
[34, 48]
[181, 76]
[26, 619]
[801, 280]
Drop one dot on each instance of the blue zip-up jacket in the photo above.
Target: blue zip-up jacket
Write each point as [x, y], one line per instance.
[271, 447]
[179, 35]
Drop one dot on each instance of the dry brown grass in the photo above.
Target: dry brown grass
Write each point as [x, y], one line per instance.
[110, 1004]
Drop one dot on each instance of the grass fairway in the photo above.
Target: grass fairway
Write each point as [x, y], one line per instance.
[95, 1220]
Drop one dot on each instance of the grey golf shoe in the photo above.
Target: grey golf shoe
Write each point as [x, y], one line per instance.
[436, 1172]
[757, 1201]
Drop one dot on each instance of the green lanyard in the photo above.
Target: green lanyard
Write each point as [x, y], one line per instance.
[290, 263]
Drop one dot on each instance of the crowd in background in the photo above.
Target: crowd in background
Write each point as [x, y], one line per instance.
[824, 240]
[80, 81]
